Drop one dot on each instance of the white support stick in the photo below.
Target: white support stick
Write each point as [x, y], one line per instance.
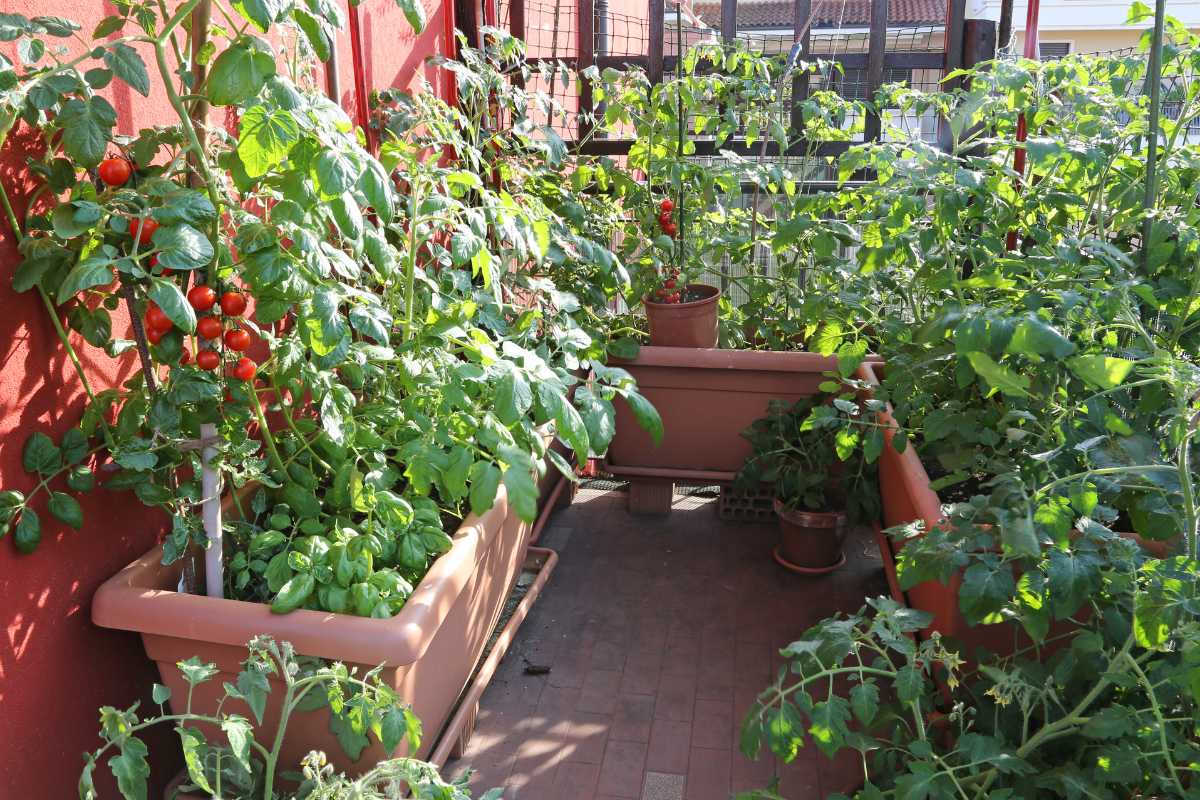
[210, 482]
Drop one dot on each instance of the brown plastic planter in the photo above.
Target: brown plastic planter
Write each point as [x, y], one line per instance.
[810, 543]
[428, 650]
[706, 398]
[457, 731]
[691, 324]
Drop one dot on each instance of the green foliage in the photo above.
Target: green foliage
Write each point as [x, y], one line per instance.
[819, 454]
[236, 765]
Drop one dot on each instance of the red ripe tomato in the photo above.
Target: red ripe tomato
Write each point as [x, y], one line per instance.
[145, 233]
[202, 297]
[153, 335]
[156, 319]
[670, 229]
[666, 206]
[185, 356]
[664, 220]
[245, 369]
[233, 304]
[115, 171]
[237, 339]
[208, 359]
[669, 283]
[209, 327]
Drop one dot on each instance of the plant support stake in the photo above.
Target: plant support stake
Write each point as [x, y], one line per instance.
[210, 481]
[1154, 81]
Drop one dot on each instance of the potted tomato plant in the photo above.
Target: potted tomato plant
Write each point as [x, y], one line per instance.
[820, 464]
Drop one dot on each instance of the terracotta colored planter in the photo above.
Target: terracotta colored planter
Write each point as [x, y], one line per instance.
[428, 650]
[691, 324]
[706, 398]
[810, 542]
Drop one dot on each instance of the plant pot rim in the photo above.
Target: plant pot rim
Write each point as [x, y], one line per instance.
[811, 519]
[707, 299]
[134, 600]
[798, 361]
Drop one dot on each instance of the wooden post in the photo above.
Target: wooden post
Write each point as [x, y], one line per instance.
[587, 57]
[1004, 36]
[728, 20]
[979, 42]
[516, 26]
[654, 54]
[802, 31]
[877, 47]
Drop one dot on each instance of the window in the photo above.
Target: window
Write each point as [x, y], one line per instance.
[1052, 50]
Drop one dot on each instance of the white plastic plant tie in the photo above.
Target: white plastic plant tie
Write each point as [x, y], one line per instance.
[210, 507]
[978, 9]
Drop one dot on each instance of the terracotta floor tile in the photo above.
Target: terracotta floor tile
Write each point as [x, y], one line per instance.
[654, 660]
[708, 776]
[676, 698]
[621, 772]
[712, 725]
[633, 717]
[670, 742]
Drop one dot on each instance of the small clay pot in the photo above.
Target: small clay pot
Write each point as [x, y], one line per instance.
[810, 542]
[689, 324]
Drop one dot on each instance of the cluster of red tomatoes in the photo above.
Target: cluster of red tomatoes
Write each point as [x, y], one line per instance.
[665, 222]
[209, 328]
[669, 292]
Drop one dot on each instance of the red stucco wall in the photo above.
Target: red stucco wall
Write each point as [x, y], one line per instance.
[56, 668]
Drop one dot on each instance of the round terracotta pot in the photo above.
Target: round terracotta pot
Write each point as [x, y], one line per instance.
[690, 324]
[810, 542]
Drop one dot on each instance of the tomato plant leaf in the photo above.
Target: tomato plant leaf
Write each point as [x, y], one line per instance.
[194, 749]
[66, 508]
[127, 64]
[645, 413]
[514, 397]
[266, 139]
[94, 271]
[519, 481]
[997, 376]
[1105, 372]
[131, 769]
[260, 13]
[238, 74]
[414, 12]
[86, 129]
[485, 482]
[41, 456]
[28, 532]
[169, 297]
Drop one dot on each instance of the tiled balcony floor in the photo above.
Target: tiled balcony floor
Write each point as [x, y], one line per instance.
[659, 632]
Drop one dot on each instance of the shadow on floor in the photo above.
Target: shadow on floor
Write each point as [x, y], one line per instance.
[658, 633]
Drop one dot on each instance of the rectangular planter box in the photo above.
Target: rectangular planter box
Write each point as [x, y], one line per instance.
[706, 398]
[428, 650]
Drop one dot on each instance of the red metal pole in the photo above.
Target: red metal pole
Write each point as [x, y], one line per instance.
[1031, 52]
[451, 45]
[361, 112]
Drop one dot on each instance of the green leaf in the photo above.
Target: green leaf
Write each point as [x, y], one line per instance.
[1111, 722]
[74, 446]
[568, 424]
[66, 508]
[28, 532]
[160, 694]
[237, 731]
[519, 481]
[1034, 337]
[169, 297]
[260, 13]
[414, 12]
[238, 74]
[57, 26]
[93, 271]
[998, 377]
[1073, 578]
[196, 672]
[986, 587]
[514, 397]
[131, 769]
[41, 455]
[646, 414]
[266, 139]
[108, 26]
[864, 701]
[393, 728]
[86, 129]
[317, 31]
[1104, 372]
[194, 748]
[254, 688]
[599, 417]
[335, 172]
[293, 593]
[485, 481]
[829, 724]
[909, 684]
[127, 65]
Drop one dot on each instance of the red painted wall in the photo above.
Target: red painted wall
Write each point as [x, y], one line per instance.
[56, 668]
